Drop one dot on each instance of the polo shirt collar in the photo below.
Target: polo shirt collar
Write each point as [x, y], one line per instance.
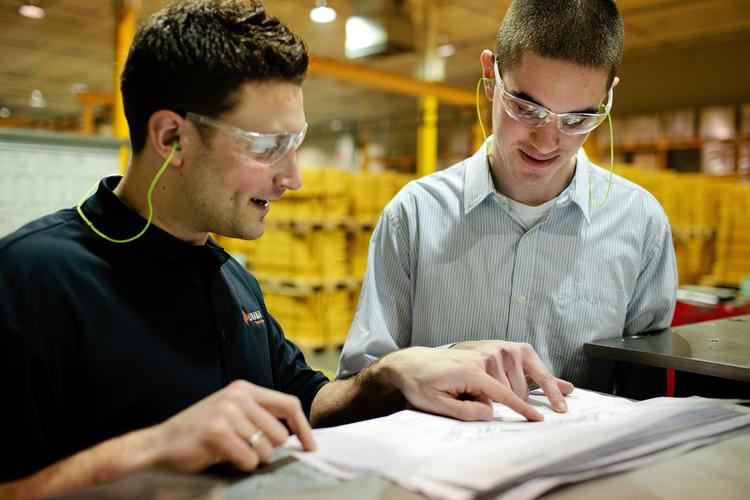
[113, 217]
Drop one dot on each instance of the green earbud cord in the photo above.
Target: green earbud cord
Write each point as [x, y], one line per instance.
[175, 147]
[611, 147]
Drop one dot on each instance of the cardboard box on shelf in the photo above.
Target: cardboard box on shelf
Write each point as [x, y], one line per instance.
[745, 119]
[679, 124]
[718, 122]
[646, 160]
[641, 129]
[624, 131]
[743, 161]
[717, 158]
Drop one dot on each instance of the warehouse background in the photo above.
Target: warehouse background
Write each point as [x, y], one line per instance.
[681, 121]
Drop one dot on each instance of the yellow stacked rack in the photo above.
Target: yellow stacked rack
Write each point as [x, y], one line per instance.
[733, 238]
[371, 192]
[312, 253]
[314, 318]
[691, 204]
[324, 196]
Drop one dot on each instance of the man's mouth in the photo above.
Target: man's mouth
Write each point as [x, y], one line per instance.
[260, 203]
[539, 159]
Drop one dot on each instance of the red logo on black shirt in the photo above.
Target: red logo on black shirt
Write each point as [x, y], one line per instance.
[254, 316]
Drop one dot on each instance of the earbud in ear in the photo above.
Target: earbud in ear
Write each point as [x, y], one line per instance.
[176, 145]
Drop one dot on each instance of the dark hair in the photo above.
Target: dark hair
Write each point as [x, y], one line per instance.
[193, 56]
[586, 32]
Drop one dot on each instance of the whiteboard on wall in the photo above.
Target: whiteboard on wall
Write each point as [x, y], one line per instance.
[42, 172]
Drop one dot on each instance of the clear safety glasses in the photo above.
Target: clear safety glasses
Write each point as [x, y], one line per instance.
[265, 149]
[535, 115]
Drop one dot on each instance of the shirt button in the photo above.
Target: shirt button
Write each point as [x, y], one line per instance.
[521, 299]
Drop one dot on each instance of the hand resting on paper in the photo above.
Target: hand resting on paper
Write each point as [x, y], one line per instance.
[515, 364]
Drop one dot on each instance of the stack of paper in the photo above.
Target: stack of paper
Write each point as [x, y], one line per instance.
[446, 458]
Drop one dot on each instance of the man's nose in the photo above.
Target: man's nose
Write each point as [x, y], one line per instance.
[289, 175]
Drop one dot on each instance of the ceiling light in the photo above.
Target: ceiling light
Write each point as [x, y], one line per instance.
[79, 88]
[31, 10]
[336, 125]
[322, 13]
[364, 37]
[37, 99]
[446, 50]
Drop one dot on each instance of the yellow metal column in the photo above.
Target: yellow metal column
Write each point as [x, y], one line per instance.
[88, 101]
[427, 135]
[432, 69]
[125, 18]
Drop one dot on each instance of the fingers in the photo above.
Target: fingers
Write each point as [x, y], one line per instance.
[517, 379]
[535, 370]
[243, 427]
[539, 374]
[488, 386]
[548, 384]
[564, 386]
[273, 430]
[289, 408]
[260, 444]
[496, 370]
[228, 446]
[466, 410]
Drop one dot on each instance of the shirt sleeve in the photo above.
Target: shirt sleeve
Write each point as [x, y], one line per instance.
[29, 376]
[655, 293]
[294, 375]
[382, 323]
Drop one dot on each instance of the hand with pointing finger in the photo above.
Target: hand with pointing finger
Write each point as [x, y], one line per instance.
[515, 365]
[450, 382]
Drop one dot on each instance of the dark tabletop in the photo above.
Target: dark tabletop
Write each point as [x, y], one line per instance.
[719, 348]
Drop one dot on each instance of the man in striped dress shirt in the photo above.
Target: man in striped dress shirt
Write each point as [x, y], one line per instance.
[526, 250]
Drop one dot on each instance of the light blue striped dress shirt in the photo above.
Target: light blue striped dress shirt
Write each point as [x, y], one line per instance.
[450, 261]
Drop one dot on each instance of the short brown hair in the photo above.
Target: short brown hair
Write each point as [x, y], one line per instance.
[194, 54]
[586, 32]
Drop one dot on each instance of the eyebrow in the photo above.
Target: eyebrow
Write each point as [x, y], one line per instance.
[527, 97]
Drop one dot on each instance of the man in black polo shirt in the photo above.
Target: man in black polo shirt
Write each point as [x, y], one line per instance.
[128, 338]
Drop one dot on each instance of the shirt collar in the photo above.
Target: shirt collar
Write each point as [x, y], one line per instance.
[578, 189]
[478, 179]
[113, 217]
[479, 184]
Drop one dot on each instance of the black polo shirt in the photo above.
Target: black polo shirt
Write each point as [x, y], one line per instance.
[98, 339]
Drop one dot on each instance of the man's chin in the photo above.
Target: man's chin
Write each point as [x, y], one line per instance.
[247, 233]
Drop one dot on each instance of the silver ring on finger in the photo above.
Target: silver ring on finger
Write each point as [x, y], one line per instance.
[255, 438]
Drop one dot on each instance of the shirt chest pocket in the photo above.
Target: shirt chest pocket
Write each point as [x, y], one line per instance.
[592, 311]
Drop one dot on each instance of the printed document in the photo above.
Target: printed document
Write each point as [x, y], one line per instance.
[509, 456]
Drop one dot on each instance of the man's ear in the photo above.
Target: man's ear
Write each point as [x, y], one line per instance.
[488, 64]
[165, 133]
